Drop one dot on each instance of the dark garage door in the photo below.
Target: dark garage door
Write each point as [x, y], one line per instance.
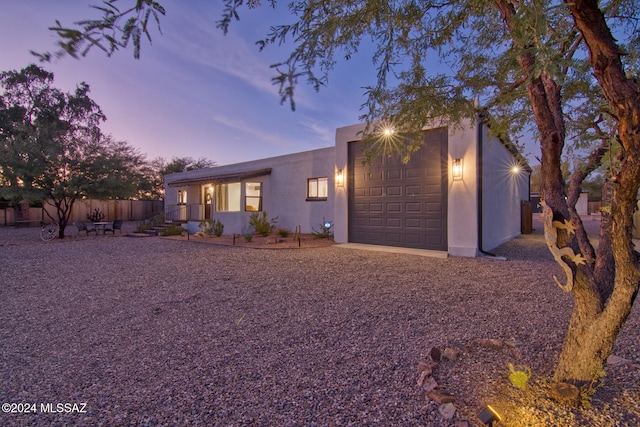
[396, 204]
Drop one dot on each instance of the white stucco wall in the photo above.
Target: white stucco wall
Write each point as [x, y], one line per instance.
[462, 196]
[502, 193]
[284, 191]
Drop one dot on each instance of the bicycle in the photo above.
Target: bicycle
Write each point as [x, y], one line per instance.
[49, 231]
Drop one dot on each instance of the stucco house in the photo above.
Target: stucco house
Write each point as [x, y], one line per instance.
[459, 195]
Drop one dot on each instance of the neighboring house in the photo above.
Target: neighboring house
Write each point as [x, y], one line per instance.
[459, 194]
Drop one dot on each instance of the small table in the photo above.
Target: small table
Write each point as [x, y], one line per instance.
[100, 226]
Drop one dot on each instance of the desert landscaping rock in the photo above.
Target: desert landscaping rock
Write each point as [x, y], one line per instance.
[169, 332]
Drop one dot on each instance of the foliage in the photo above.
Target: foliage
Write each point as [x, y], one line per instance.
[519, 376]
[283, 232]
[248, 237]
[96, 216]
[325, 232]
[115, 30]
[173, 230]
[212, 227]
[143, 226]
[52, 150]
[261, 225]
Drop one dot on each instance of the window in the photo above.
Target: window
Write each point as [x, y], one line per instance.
[253, 197]
[317, 188]
[182, 197]
[228, 197]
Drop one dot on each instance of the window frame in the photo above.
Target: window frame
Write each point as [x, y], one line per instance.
[317, 197]
[247, 197]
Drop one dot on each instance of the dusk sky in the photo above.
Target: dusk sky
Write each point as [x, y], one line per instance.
[194, 92]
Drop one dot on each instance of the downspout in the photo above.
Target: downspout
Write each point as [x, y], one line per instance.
[479, 183]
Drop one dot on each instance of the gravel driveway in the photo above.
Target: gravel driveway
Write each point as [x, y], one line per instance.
[153, 331]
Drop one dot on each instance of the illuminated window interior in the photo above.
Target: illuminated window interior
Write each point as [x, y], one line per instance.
[317, 188]
[228, 197]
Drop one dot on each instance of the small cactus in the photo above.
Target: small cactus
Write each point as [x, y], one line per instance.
[519, 376]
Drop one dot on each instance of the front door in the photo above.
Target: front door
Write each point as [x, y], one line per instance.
[208, 202]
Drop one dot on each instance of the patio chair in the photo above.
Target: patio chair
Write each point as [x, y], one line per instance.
[87, 228]
[117, 225]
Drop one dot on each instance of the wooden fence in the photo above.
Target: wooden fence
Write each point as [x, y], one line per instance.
[127, 210]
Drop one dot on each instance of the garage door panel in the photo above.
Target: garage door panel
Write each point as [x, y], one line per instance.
[375, 207]
[413, 190]
[412, 211]
[413, 207]
[394, 223]
[376, 191]
[394, 174]
[394, 190]
[394, 208]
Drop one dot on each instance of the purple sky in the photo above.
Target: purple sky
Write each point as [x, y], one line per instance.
[194, 92]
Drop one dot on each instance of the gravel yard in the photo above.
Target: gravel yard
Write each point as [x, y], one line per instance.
[155, 331]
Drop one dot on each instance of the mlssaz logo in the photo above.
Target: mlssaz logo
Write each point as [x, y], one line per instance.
[67, 408]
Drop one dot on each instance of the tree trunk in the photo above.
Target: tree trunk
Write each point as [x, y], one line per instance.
[603, 302]
[603, 288]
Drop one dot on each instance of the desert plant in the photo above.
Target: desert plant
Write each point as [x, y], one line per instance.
[283, 232]
[173, 230]
[262, 225]
[325, 232]
[142, 227]
[248, 237]
[96, 216]
[519, 376]
[212, 227]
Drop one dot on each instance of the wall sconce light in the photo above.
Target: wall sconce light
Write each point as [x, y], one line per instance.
[340, 178]
[456, 169]
[489, 415]
[515, 169]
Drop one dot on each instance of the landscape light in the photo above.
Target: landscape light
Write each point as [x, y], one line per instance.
[489, 415]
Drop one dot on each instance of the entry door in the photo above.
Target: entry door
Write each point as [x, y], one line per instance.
[208, 202]
[397, 204]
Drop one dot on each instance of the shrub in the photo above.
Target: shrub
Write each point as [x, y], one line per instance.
[283, 232]
[248, 237]
[96, 216]
[142, 227]
[326, 230]
[212, 227]
[260, 223]
[173, 230]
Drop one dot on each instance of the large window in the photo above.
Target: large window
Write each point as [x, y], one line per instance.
[317, 188]
[228, 197]
[253, 197]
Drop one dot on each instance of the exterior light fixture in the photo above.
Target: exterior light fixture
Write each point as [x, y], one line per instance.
[489, 415]
[515, 169]
[456, 169]
[388, 132]
[340, 178]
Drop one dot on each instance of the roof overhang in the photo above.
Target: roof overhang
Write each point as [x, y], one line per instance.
[221, 179]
